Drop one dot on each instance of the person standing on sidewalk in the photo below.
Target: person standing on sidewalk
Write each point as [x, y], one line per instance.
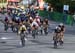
[73, 17]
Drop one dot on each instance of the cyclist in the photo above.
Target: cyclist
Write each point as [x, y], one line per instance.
[22, 30]
[61, 25]
[34, 27]
[28, 27]
[45, 26]
[56, 36]
[6, 22]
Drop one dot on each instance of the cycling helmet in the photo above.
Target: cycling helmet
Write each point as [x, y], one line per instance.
[58, 28]
[61, 24]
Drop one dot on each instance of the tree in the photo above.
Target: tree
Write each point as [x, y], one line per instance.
[59, 4]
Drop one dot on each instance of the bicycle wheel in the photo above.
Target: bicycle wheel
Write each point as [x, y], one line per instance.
[33, 34]
[23, 40]
[5, 27]
[55, 44]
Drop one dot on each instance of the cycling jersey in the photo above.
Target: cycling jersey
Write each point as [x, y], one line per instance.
[62, 27]
[22, 29]
[34, 23]
[57, 31]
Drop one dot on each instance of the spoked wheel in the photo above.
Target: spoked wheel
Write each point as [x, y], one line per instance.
[61, 42]
[45, 31]
[33, 34]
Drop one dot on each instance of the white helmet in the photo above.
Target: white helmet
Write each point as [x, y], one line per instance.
[31, 18]
[61, 24]
[23, 26]
[58, 28]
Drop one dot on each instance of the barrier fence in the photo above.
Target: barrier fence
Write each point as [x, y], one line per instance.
[55, 16]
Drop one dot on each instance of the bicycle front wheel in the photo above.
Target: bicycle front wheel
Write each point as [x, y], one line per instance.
[23, 40]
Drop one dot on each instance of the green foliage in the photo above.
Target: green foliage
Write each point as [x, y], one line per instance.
[58, 4]
[56, 16]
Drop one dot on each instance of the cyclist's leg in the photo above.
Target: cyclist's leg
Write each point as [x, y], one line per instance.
[45, 31]
[41, 31]
[6, 27]
[55, 42]
[33, 33]
[36, 31]
[55, 39]
[61, 38]
[22, 39]
[29, 30]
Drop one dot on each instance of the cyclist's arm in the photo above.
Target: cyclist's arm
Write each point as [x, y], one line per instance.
[64, 29]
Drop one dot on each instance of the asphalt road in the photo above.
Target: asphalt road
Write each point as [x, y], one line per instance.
[10, 42]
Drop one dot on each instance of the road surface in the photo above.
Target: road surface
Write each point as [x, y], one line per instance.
[10, 42]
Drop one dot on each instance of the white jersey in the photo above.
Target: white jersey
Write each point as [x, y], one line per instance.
[38, 20]
[23, 26]
[34, 23]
